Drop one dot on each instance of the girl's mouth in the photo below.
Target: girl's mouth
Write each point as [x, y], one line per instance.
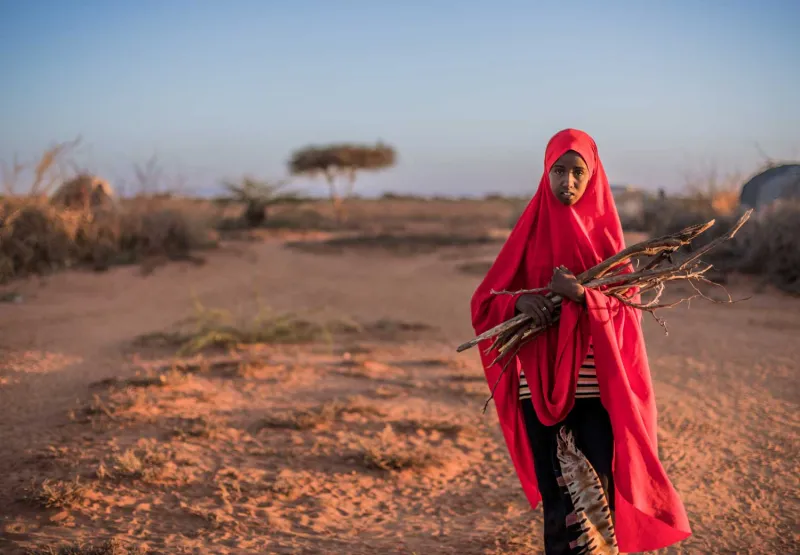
[566, 196]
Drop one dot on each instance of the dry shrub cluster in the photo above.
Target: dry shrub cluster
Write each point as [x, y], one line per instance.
[59, 493]
[38, 237]
[767, 246]
[147, 464]
[312, 418]
[770, 247]
[110, 547]
[388, 451]
[71, 218]
[208, 329]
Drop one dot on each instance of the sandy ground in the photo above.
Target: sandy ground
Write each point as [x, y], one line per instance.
[367, 443]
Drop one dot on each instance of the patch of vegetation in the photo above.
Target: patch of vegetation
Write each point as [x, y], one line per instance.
[110, 547]
[767, 246]
[113, 406]
[284, 486]
[147, 464]
[387, 451]
[220, 329]
[325, 414]
[387, 329]
[162, 379]
[59, 493]
[200, 427]
[76, 226]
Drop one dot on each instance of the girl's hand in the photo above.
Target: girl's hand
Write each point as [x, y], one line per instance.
[538, 307]
[565, 284]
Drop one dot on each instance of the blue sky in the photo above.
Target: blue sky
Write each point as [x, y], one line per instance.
[468, 92]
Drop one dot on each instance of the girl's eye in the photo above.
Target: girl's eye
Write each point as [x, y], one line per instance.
[578, 172]
[559, 171]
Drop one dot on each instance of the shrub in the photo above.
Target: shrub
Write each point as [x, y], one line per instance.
[768, 245]
[37, 237]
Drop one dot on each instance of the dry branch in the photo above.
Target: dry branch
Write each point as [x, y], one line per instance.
[613, 278]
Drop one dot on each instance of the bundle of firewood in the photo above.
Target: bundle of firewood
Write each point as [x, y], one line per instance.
[643, 268]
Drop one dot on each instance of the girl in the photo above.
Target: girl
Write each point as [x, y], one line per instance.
[581, 391]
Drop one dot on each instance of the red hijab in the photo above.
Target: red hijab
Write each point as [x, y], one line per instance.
[649, 513]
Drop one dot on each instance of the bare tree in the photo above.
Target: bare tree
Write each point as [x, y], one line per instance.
[342, 160]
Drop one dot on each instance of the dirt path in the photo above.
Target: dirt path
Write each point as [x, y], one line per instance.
[726, 379]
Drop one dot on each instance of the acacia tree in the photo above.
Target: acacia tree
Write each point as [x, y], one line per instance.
[337, 161]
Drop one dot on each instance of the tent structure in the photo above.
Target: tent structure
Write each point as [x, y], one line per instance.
[777, 182]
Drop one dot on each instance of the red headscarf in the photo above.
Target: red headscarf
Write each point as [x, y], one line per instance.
[649, 513]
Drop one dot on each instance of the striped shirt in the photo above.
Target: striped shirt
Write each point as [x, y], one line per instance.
[587, 380]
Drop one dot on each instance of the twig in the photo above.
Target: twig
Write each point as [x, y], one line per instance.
[497, 382]
[521, 291]
[715, 301]
[508, 324]
[719, 240]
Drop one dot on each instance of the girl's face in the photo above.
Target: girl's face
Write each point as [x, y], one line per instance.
[569, 177]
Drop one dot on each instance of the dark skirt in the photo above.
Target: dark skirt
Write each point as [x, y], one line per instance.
[573, 470]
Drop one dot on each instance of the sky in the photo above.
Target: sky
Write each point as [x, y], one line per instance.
[467, 92]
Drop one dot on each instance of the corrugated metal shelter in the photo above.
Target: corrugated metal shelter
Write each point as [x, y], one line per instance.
[777, 182]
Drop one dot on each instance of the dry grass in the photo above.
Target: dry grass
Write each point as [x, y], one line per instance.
[110, 547]
[719, 192]
[770, 247]
[209, 329]
[206, 427]
[117, 405]
[387, 451]
[147, 463]
[317, 417]
[169, 378]
[59, 493]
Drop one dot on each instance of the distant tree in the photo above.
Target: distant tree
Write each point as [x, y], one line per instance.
[343, 160]
[258, 196]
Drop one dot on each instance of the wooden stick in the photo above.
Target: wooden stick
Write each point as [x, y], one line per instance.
[721, 239]
[508, 324]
